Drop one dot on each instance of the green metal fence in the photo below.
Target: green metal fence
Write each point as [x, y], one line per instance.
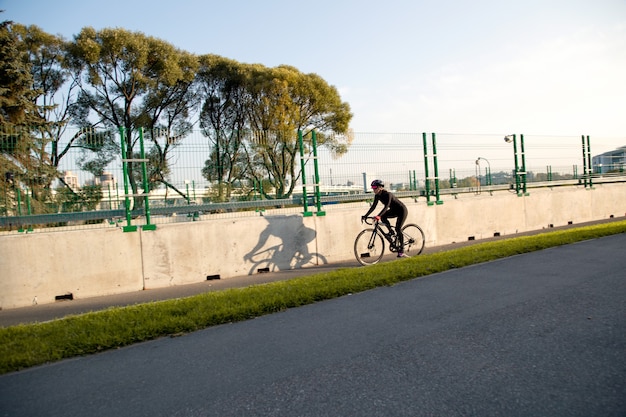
[88, 179]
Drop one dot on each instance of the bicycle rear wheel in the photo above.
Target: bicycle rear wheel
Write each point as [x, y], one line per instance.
[414, 239]
[369, 247]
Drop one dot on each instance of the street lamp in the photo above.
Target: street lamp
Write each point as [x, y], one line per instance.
[520, 169]
[488, 173]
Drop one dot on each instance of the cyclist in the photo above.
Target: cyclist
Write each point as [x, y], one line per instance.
[393, 207]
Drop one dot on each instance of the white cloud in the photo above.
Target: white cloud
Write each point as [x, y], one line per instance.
[571, 84]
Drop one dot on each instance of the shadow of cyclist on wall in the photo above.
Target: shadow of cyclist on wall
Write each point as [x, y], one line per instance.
[283, 245]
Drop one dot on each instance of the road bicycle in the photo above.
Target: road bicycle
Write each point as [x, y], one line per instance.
[369, 245]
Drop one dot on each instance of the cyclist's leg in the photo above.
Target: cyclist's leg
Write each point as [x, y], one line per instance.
[399, 223]
[385, 220]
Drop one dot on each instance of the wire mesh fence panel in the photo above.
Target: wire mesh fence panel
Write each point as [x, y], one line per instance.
[74, 178]
[52, 172]
[393, 158]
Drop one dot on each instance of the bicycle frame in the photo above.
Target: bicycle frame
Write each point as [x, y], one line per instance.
[392, 239]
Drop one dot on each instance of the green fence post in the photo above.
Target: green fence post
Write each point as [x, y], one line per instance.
[19, 201]
[28, 209]
[517, 170]
[523, 173]
[427, 182]
[19, 207]
[196, 214]
[318, 195]
[146, 186]
[438, 201]
[584, 162]
[129, 227]
[590, 168]
[306, 212]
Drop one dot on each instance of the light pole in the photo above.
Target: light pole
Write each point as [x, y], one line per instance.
[520, 169]
[487, 171]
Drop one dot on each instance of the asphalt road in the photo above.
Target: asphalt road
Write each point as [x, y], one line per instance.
[539, 334]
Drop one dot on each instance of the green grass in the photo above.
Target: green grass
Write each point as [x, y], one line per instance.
[24, 346]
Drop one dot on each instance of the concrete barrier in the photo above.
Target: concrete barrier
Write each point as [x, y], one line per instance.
[37, 268]
[41, 267]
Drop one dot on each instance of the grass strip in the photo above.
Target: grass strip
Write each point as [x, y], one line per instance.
[28, 345]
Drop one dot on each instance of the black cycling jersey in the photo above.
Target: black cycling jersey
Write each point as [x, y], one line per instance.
[392, 204]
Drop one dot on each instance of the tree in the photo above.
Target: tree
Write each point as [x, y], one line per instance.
[124, 78]
[18, 112]
[252, 114]
[284, 101]
[223, 120]
[16, 94]
[166, 113]
[53, 96]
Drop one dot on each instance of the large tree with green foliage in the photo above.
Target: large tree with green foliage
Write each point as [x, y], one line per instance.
[256, 112]
[17, 107]
[166, 113]
[285, 101]
[53, 96]
[18, 113]
[129, 80]
[223, 119]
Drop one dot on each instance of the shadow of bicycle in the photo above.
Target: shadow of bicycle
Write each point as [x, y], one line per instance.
[283, 245]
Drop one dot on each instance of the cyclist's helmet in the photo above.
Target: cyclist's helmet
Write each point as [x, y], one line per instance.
[377, 183]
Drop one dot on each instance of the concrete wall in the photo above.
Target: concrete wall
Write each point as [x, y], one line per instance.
[89, 263]
[35, 268]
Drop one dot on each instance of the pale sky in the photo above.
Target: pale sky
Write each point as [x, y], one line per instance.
[538, 67]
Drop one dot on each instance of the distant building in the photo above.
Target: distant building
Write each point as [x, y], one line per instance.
[71, 180]
[107, 180]
[612, 161]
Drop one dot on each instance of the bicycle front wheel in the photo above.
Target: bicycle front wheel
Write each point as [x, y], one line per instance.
[369, 247]
[414, 239]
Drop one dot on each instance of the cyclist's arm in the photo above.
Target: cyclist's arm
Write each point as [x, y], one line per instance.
[372, 207]
[386, 203]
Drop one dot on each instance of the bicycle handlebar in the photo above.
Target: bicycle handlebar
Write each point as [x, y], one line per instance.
[369, 220]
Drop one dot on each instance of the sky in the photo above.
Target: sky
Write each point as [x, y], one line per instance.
[538, 67]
